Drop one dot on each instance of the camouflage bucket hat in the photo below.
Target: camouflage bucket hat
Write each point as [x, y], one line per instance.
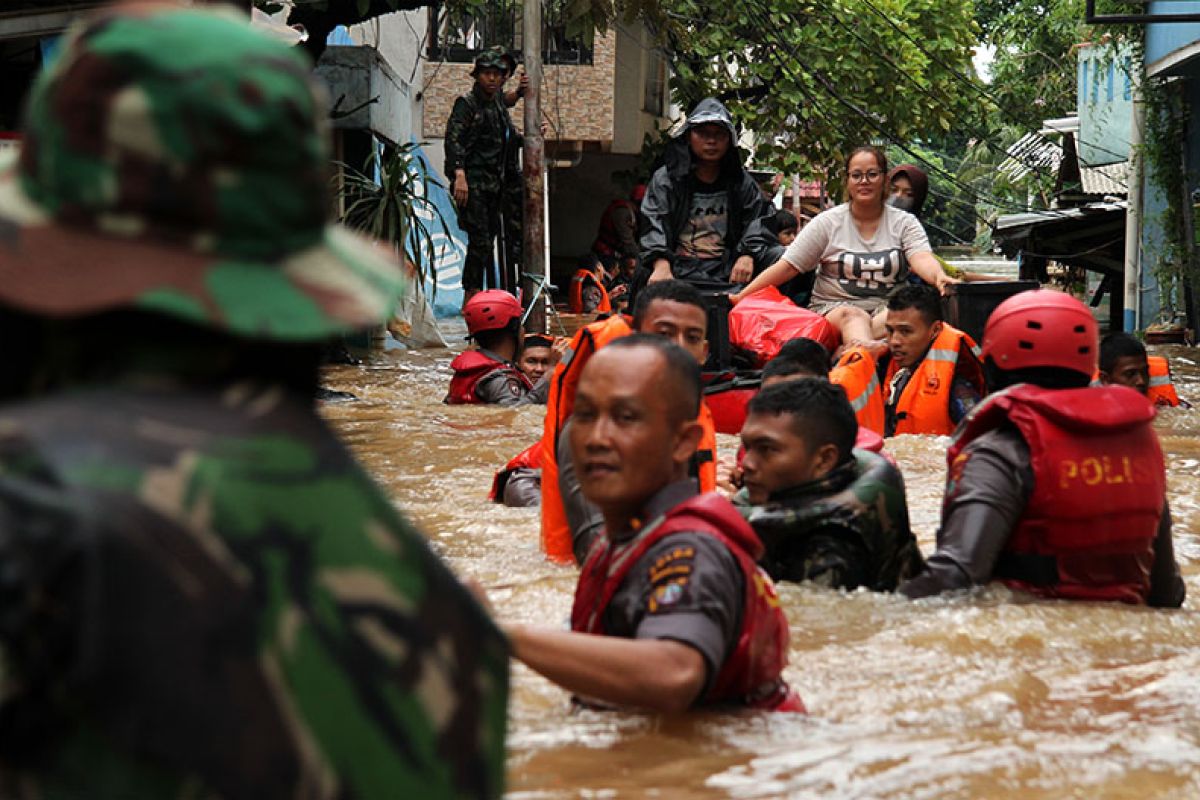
[495, 58]
[174, 161]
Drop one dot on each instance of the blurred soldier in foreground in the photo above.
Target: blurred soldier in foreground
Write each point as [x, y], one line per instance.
[202, 594]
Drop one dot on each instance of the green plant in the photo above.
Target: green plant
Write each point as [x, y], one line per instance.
[388, 200]
[1162, 151]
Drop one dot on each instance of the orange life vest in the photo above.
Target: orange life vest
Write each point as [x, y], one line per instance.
[583, 278]
[556, 533]
[857, 373]
[529, 458]
[752, 675]
[924, 405]
[1162, 389]
[1088, 529]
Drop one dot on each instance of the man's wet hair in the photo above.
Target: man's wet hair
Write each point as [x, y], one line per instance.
[798, 356]
[786, 221]
[489, 340]
[673, 290]
[820, 412]
[682, 371]
[1118, 345]
[923, 298]
[588, 261]
[538, 340]
[1045, 377]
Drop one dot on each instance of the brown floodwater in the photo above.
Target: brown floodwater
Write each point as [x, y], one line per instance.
[990, 695]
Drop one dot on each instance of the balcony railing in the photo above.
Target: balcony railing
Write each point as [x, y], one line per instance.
[461, 37]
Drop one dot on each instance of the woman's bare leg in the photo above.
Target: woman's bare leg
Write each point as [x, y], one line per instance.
[853, 323]
[879, 324]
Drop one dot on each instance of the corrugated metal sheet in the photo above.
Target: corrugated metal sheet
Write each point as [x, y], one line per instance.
[1033, 151]
[1105, 180]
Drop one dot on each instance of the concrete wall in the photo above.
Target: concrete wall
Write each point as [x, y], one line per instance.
[1165, 39]
[637, 61]
[1105, 104]
[400, 40]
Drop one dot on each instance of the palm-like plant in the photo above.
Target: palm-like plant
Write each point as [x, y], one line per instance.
[387, 200]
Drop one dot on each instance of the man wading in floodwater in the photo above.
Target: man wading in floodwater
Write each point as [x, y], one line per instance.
[203, 594]
[671, 611]
[1054, 487]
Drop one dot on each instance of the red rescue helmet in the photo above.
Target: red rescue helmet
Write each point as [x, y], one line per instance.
[490, 311]
[1042, 328]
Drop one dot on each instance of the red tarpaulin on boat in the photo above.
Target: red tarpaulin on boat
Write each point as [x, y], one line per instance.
[765, 320]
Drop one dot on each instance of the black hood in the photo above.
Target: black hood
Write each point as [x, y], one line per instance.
[678, 156]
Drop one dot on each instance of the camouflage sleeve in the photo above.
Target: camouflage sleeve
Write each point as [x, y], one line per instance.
[827, 558]
[456, 137]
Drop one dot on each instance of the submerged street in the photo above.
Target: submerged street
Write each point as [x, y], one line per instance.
[986, 696]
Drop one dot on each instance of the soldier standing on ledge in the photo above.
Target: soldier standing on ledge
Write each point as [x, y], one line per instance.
[482, 166]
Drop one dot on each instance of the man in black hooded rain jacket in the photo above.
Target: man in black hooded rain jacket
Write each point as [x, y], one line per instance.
[700, 204]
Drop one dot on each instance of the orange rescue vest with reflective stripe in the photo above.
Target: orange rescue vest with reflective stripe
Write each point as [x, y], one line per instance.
[556, 533]
[575, 297]
[924, 405]
[857, 374]
[1162, 389]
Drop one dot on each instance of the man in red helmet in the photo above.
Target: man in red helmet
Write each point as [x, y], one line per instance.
[489, 373]
[1054, 487]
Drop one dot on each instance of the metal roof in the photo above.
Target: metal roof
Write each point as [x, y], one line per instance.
[1109, 179]
[1033, 151]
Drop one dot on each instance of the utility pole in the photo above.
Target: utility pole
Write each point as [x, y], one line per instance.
[533, 167]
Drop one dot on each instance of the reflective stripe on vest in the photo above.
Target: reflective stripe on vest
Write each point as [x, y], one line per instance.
[864, 397]
[1162, 389]
[924, 405]
[856, 373]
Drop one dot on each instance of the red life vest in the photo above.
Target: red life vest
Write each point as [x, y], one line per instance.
[752, 675]
[608, 242]
[1162, 390]
[581, 280]
[472, 366]
[1088, 530]
[924, 405]
[529, 458]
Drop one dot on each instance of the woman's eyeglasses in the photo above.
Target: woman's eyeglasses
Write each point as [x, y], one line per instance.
[870, 176]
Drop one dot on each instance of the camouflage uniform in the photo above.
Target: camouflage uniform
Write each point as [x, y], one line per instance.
[847, 529]
[482, 140]
[201, 593]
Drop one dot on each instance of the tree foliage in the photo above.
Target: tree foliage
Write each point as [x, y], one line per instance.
[814, 80]
[1033, 72]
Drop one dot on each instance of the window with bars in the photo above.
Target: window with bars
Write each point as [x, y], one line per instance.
[461, 37]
